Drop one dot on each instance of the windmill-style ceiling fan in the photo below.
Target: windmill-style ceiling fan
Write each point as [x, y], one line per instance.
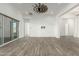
[40, 8]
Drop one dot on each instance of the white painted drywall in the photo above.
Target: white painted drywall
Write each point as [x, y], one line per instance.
[62, 27]
[51, 24]
[26, 29]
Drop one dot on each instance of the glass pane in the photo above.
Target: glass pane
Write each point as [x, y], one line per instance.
[1, 30]
[7, 32]
[14, 29]
[17, 28]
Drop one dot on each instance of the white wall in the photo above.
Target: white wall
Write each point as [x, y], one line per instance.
[8, 10]
[51, 30]
[62, 27]
[26, 30]
[55, 27]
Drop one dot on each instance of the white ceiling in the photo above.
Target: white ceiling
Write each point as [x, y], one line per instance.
[53, 8]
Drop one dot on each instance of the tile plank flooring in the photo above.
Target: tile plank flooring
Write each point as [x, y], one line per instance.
[42, 46]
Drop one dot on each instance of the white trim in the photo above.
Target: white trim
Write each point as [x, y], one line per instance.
[8, 42]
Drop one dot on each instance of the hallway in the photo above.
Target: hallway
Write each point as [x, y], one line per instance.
[42, 46]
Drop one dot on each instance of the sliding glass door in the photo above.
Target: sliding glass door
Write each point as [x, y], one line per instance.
[9, 29]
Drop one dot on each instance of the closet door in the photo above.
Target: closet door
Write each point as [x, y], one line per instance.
[1, 30]
[7, 29]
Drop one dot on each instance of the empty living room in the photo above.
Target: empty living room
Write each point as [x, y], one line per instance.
[39, 29]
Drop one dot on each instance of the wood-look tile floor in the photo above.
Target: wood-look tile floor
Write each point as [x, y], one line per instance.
[42, 46]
